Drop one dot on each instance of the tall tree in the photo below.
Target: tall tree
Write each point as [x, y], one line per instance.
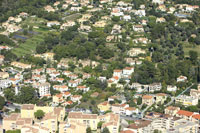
[193, 56]
[2, 102]
[39, 114]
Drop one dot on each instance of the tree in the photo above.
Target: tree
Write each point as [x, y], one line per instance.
[193, 56]
[5, 40]
[27, 95]
[25, 32]
[88, 130]
[9, 94]
[41, 49]
[139, 101]
[2, 102]
[99, 125]
[198, 105]
[93, 102]
[115, 18]
[156, 131]
[192, 108]
[105, 130]
[39, 114]
[13, 131]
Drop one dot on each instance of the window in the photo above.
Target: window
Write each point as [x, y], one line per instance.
[84, 121]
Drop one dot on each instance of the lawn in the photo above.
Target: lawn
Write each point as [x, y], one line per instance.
[72, 17]
[34, 21]
[188, 48]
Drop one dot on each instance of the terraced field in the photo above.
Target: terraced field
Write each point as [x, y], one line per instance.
[29, 46]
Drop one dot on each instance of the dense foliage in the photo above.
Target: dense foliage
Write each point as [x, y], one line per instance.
[2, 102]
[13, 7]
[26, 95]
[71, 43]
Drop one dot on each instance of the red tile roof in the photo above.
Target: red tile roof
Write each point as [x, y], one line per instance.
[197, 116]
[127, 131]
[186, 113]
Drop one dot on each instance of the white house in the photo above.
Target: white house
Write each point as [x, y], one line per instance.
[128, 71]
[182, 79]
[140, 13]
[117, 72]
[171, 88]
[155, 87]
[116, 12]
[131, 110]
[52, 23]
[73, 83]
[83, 88]
[44, 88]
[141, 40]
[187, 100]
[138, 28]
[67, 24]
[119, 108]
[158, 1]
[75, 9]
[61, 88]
[76, 98]
[14, 81]
[116, 29]
[54, 74]
[5, 84]
[127, 17]
[135, 52]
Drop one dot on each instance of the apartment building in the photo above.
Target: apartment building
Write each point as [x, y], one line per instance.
[111, 121]
[171, 110]
[195, 93]
[15, 121]
[147, 99]
[183, 126]
[140, 126]
[186, 100]
[73, 127]
[26, 120]
[90, 120]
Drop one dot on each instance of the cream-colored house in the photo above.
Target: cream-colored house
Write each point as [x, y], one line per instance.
[104, 106]
[26, 118]
[111, 121]
[90, 120]
[161, 97]
[48, 56]
[136, 52]
[186, 100]
[21, 65]
[15, 121]
[4, 75]
[171, 110]
[72, 127]
[100, 24]
[147, 99]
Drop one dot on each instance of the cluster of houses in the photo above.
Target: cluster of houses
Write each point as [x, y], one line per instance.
[173, 120]
[13, 23]
[68, 84]
[122, 109]
[53, 121]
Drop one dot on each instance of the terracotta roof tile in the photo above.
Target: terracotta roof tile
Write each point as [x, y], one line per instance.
[147, 97]
[186, 113]
[197, 116]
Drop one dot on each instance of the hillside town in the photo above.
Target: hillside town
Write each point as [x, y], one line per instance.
[100, 66]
